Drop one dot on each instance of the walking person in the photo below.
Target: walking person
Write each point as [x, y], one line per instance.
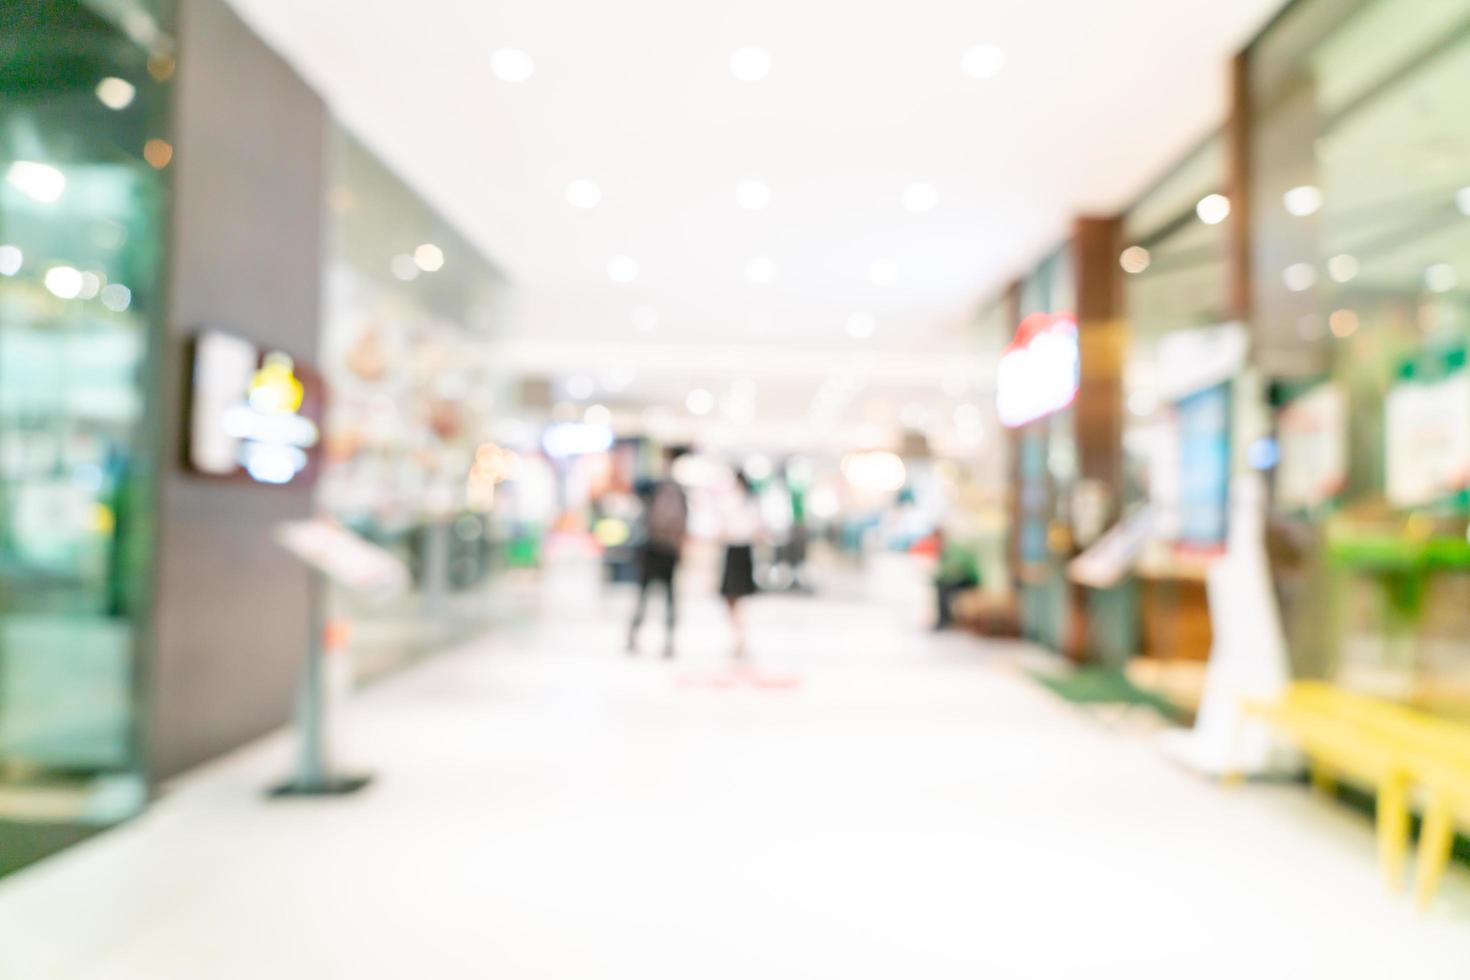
[742, 526]
[664, 526]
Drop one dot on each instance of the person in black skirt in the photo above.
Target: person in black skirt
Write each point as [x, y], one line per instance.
[742, 528]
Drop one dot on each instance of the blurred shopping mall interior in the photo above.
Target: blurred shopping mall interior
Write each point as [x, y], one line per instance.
[696, 489]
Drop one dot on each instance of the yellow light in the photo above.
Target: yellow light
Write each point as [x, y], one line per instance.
[275, 388]
[610, 532]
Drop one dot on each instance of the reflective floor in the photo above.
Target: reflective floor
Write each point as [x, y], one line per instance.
[871, 800]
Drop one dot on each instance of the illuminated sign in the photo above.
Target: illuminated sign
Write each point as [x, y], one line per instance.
[250, 413]
[1038, 371]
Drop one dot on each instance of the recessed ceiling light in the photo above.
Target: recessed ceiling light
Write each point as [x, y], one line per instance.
[1299, 277]
[428, 257]
[1213, 208]
[404, 268]
[64, 281]
[11, 259]
[39, 181]
[116, 93]
[158, 153]
[761, 270]
[699, 402]
[598, 415]
[583, 193]
[750, 63]
[1343, 323]
[983, 61]
[1440, 278]
[1462, 200]
[580, 386]
[116, 297]
[1302, 201]
[622, 268]
[1135, 259]
[1342, 268]
[753, 195]
[511, 64]
[919, 197]
[860, 326]
[883, 272]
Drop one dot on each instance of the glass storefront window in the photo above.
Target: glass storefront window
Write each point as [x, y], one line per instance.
[1361, 215]
[82, 217]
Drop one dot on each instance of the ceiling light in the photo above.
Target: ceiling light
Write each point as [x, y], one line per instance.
[919, 197]
[158, 153]
[622, 268]
[645, 319]
[511, 64]
[1299, 277]
[1342, 267]
[598, 415]
[1213, 208]
[750, 63]
[428, 257]
[116, 93]
[1462, 200]
[1142, 402]
[10, 260]
[38, 181]
[860, 326]
[91, 285]
[63, 281]
[699, 402]
[761, 270]
[116, 297]
[983, 61]
[1135, 259]
[404, 268]
[1302, 201]
[584, 194]
[1344, 323]
[1440, 278]
[883, 272]
[753, 195]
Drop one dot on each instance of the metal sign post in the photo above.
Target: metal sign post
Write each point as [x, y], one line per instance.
[333, 554]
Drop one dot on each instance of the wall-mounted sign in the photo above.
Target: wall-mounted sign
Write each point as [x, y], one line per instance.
[252, 413]
[1427, 429]
[1312, 431]
[1039, 370]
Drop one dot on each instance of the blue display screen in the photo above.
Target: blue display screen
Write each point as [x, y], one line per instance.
[1204, 456]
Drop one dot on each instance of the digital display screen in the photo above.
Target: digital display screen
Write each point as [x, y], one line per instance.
[1204, 457]
[254, 413]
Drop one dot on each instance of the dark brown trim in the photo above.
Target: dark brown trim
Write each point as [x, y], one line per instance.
[1238, 171]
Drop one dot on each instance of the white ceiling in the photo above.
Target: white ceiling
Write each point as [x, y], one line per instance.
[865, 96]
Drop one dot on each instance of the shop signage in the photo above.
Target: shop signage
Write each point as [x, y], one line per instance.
[1427, 430]
[252, 412]
[1038, 372]
[1312, 432]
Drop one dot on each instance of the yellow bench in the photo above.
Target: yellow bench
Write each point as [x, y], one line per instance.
[1394, 749]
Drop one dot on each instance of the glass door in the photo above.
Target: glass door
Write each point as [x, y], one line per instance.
[82, 212]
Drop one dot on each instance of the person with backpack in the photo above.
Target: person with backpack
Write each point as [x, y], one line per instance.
[665, 524]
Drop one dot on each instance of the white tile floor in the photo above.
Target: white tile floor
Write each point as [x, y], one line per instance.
[545, 807]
